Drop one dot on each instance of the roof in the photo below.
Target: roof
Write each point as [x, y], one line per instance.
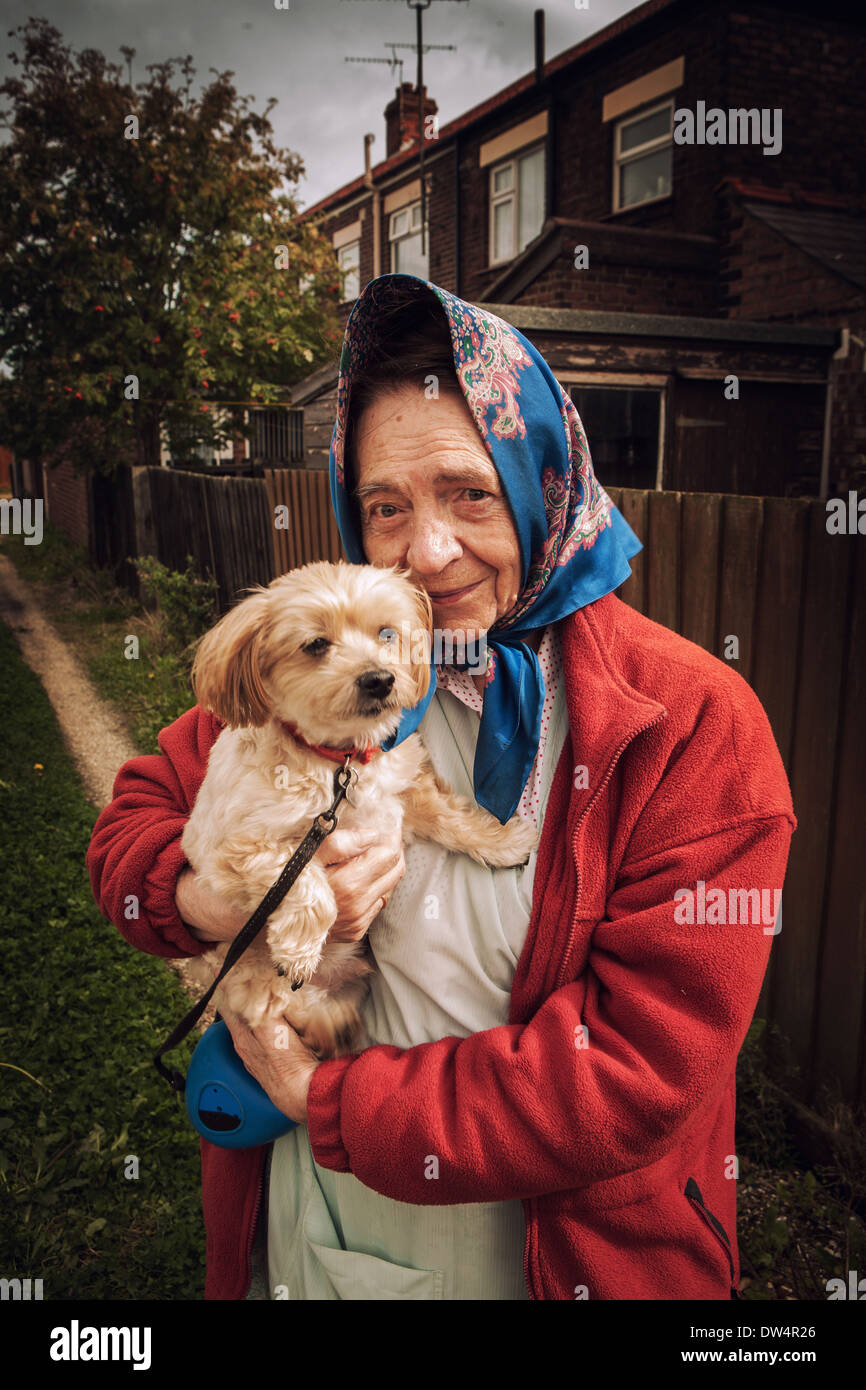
[593, 322]
[836, 239]
[502, 98]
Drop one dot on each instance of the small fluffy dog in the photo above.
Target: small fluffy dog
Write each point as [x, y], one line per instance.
[309, 661]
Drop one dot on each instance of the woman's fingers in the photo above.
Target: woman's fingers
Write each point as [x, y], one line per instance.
[345, 844]
[361, 884]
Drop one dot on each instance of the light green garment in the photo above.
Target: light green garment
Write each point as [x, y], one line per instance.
[446, 948]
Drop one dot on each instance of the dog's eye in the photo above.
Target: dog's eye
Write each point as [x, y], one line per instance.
[317, 647]
[387, 634]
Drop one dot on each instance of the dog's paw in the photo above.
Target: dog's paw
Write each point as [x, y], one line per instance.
[298, 967]
[332, 1029]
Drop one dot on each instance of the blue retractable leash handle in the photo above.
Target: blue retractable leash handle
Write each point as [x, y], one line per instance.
[224, 1102]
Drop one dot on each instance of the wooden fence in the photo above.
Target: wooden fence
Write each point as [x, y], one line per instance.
[310, 532]
[224, 523]
[766, 571]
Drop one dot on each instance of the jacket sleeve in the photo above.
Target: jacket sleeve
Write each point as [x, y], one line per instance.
[615, 1066]
[134, 858]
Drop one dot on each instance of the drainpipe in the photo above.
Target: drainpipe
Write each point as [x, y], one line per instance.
[376, 200]
[824, 486]
[457, 214]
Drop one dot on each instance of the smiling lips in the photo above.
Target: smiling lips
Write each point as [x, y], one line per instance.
[453, 595]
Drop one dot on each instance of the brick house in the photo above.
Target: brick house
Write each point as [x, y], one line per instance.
[617, 205]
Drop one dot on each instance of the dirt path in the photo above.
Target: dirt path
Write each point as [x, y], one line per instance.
[96, 736]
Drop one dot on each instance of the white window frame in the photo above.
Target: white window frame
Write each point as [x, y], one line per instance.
[648, 147]
[511, 194]
[412, 213]
[346, 271]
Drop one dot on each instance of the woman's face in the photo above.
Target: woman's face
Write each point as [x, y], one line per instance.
[431, 500]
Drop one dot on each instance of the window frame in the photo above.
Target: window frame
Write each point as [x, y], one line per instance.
[660, 142]
[413, 229]
[354, 269]
[643, 381]
[513, 195]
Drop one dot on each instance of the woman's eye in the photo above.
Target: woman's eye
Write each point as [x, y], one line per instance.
[385, 510]
[317, 647]
[480, 493]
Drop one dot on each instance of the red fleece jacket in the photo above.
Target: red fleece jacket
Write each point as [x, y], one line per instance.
[606, 1103]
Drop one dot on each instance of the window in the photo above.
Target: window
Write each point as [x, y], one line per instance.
[516, 204]
[349, 261]
[623, 430]
[643, 156]
[404, 234]
[277, 436]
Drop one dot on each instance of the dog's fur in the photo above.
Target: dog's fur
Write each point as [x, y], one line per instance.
[263, 788]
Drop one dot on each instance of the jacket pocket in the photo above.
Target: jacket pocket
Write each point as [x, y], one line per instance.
[348, 1274]
[326, 1270]
[693, 1192]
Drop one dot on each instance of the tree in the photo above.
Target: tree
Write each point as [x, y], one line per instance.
[151, 255]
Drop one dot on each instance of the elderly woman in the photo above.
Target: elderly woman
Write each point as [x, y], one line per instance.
[543, 1105]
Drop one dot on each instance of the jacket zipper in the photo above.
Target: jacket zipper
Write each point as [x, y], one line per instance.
[563, 965]
[252, 1236]
[693, 1192]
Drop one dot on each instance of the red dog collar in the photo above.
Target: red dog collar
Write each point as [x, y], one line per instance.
[336, 755]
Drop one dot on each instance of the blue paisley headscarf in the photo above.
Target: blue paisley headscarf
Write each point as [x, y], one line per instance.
[574, 544]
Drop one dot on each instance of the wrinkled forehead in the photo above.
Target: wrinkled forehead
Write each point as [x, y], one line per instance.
[516, 406]
[483, 347]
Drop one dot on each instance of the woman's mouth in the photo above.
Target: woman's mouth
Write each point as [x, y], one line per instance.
[453, 595]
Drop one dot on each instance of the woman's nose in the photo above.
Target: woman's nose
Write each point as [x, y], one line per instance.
[432, 546]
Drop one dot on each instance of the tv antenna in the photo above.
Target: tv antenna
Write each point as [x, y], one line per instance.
[419, 6]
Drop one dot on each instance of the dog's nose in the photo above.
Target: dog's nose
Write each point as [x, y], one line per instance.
[375, 683]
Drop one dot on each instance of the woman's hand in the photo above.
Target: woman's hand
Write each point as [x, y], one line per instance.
[282, 1065]
[209, 917]
[363, 868]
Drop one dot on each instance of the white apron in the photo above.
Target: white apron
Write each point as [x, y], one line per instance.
[446, 947]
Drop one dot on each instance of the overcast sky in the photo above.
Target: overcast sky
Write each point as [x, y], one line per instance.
[297, 55]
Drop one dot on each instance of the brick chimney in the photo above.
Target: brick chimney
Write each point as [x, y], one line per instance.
[401, 118]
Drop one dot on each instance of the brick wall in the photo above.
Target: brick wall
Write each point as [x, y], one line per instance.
[768, 277]
[812, 67]
[611, 285]
[66, 502]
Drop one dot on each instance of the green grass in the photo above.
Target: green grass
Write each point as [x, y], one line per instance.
[96, 618]
[82, 1015]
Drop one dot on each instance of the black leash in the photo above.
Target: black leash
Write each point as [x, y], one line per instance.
[322, 826]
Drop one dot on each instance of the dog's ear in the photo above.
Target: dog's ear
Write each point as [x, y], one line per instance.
[226, 673]
[424, 609]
